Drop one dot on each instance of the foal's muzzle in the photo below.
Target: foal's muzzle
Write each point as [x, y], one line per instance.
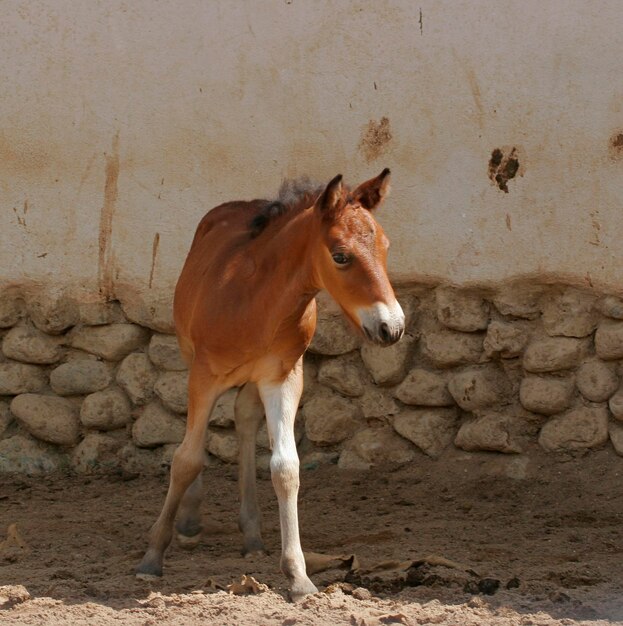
[381, 324]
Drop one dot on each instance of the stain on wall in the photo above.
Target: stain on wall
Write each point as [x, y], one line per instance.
[21, 219]
[111, 192]
[154, 254]
[375, 139]
[503, 166]
[615, 147]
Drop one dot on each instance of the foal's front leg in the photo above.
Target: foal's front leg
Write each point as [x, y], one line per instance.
[281, 402]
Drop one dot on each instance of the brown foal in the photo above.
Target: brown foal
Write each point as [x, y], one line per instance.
[244, 314]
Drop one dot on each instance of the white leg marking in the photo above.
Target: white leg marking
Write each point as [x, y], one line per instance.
[281, 402]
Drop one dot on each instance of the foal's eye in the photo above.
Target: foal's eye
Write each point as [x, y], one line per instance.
[340, 258]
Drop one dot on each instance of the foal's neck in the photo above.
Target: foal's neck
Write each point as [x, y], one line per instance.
[288, 259]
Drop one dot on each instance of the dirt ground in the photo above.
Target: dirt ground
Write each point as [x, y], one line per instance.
[548, 530]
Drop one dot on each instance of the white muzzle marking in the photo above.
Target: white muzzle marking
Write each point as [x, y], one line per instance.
[381, 323]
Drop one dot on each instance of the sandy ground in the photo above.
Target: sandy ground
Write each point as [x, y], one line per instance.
[554, 538]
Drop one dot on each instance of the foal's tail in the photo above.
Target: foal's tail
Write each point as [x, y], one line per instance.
[187, 350]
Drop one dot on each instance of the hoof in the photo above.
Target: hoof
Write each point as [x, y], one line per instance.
[188, 543]
[144, 576]
[253, 548]
[249, 554]
[301, 590]
[150, 568]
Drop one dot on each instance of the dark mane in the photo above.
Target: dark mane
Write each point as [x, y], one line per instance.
[267, 213]
[294, 195]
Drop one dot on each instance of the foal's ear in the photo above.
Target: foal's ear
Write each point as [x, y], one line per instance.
[330, 198]
[371, 193]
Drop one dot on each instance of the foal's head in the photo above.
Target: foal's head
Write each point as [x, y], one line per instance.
[351, 258]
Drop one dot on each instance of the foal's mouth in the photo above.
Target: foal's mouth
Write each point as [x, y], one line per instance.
[385, 337]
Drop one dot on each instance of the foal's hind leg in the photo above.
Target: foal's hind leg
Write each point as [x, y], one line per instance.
[249, 413]
[187, 463]
[281, 402]
[188, 525]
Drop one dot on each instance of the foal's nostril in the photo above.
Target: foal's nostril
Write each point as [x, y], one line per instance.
[384, 333]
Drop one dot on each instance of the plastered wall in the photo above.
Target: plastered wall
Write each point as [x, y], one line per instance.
[121, 123]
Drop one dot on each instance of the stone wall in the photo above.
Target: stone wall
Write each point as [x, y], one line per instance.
[94, 387]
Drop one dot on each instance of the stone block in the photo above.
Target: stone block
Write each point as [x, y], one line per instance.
[48, 418]
[596, 380]
[12, 308]
[262, 462]
[377, 402]
[609, 340]
[53, 313]
[333, 336]
[459, 310]
[223, 444]
[137, 376]
[329, 418]
[223, 412]
[96, 454]
[447, 348]
[316, 458]
[479, 387]
[6, 418]
[425, 388]
[16, 378]
[553, 354]
[610, 306]
[410, 304]
[98, 313]
[152, 310]
[382, 446]
[431, 430]
[164, 352]
[546, 395]
[23, 455]
[616, 437]
[172, 389]
[616, 404]
[156, 426]
[262, 439]
[350, 461]
[522, 301]
[168, 452]
[388, 365]
[80, 377]
[106, 410]
[146, 461]
[344, 374]
[71, 354]
[112, 342]
[505, 340]
[577, 429]
[491, 432]
[569, 314]
[310, 378]
[30, 345]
